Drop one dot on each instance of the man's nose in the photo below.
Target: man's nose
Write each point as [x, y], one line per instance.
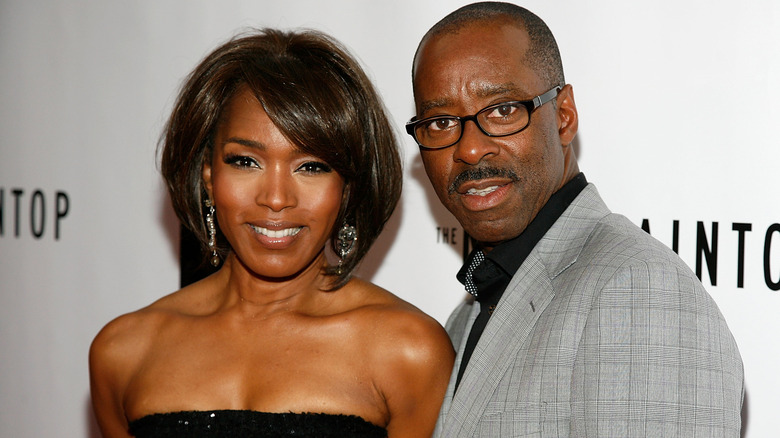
[474, 145]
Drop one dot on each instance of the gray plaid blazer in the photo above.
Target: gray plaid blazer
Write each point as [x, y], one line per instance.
[602, 332]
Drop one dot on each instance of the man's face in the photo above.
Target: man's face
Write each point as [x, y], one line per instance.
[494, 186]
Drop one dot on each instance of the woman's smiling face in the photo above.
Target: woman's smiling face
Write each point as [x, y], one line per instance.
[275, 204]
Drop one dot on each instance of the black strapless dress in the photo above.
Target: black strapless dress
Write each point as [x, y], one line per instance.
[235, 423]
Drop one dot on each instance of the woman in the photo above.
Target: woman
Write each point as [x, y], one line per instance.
[277, 145]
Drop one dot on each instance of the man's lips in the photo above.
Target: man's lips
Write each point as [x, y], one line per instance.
[481, 188]
[481, 180]
[484, 192]
[485, 195]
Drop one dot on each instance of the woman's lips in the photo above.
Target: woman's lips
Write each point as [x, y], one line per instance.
[276, 236]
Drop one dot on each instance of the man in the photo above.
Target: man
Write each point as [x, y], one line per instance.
[582, 325]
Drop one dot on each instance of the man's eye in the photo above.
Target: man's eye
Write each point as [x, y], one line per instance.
[315, 167]
[503, 111]
[441, 124]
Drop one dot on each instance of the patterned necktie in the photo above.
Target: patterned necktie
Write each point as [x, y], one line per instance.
[471, 288]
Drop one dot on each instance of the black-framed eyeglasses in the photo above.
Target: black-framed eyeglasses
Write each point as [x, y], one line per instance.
[498, 120]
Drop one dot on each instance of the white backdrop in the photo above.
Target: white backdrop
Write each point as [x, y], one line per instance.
[678, 111]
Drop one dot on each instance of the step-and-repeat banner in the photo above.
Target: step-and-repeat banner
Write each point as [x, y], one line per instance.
[678, 118]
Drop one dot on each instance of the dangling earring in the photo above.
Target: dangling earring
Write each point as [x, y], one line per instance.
[345, 243]
[212, 233]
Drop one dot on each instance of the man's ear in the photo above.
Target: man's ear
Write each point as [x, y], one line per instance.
[568, 121]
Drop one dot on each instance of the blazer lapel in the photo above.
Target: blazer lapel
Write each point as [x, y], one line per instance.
[526, 297]
[458, 327]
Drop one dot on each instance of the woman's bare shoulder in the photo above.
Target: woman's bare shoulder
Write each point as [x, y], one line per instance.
[405, 329]
[411, 357]
[124, 339]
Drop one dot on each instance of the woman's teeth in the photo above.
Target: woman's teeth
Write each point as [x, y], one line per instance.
[277, 233]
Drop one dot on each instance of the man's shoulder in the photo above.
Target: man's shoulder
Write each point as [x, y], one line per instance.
[620, 257]
[618, 239]
[589, 234]
[593, 241]
[610, 235]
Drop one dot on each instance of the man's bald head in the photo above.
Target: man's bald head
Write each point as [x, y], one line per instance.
[542, 55]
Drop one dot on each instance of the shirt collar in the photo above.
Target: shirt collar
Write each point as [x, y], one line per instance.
[509, 255]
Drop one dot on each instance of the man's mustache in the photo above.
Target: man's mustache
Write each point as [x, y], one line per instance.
[481, 173]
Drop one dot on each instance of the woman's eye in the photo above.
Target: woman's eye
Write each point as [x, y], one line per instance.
[240, 161]
[315, 167]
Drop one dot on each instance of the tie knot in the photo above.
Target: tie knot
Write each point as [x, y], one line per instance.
[477, 260]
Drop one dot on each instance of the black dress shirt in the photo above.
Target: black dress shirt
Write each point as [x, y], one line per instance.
[493, 275]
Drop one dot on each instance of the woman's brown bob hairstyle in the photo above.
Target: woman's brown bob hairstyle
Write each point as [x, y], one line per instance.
[320, 99]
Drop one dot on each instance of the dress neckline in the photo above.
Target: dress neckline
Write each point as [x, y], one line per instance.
[248, 423]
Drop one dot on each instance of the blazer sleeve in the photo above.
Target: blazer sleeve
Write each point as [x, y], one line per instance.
[656, 358]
